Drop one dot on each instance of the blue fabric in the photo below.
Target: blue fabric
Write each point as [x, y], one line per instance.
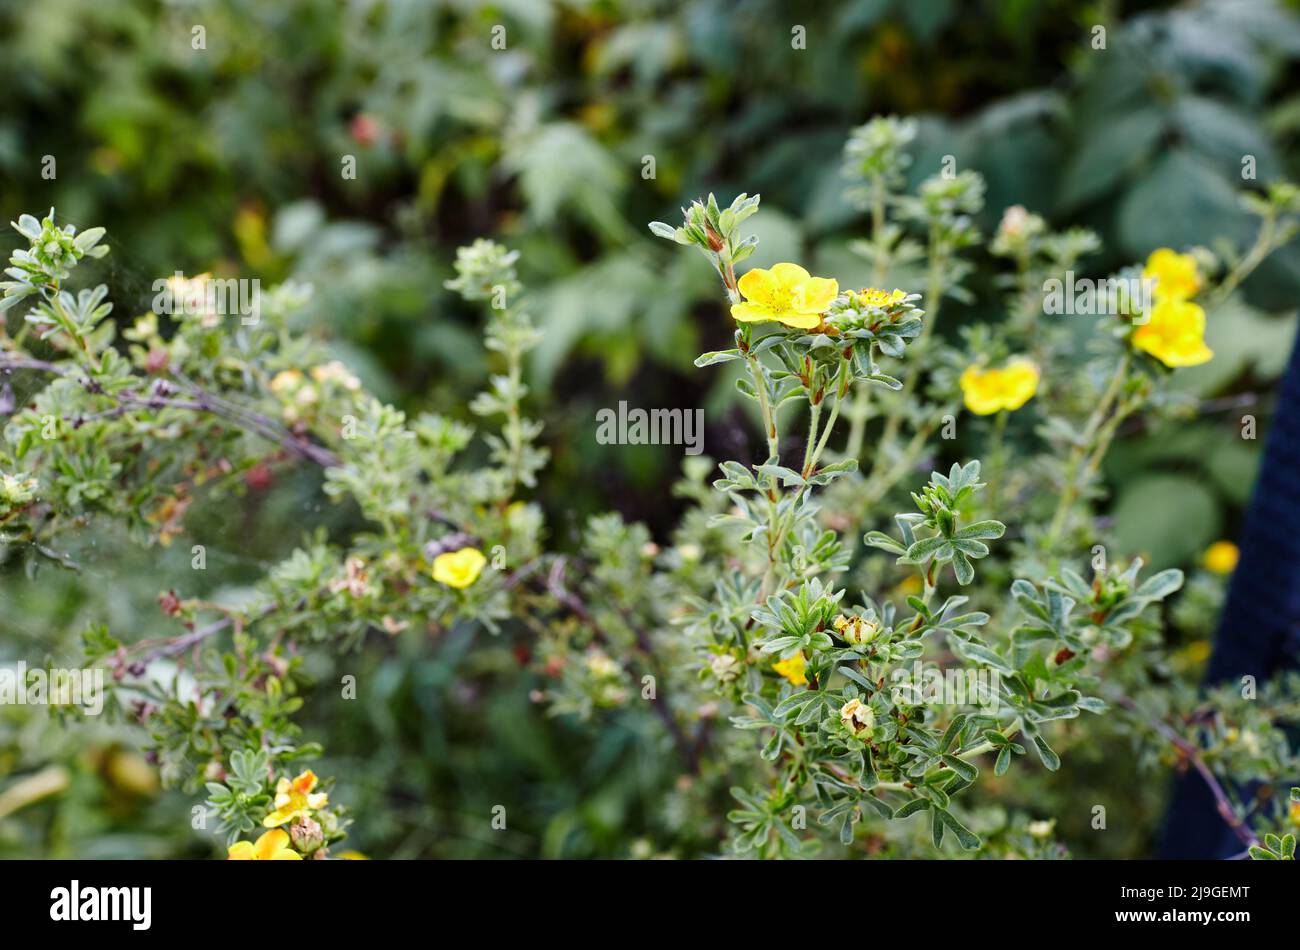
[1259, 634]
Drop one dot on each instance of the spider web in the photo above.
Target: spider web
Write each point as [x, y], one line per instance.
[114, 580]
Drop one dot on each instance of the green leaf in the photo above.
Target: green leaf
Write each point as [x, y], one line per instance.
[963, 568]
[717, 356]
[878, 539]
[881, 808]
[981, 530]
[967, 838]
[926, 548]
[1050, 758]
[1161, 585]
[961, 767]
[911, 808]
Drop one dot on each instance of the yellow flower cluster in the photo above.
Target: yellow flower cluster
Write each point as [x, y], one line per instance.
[987, 391]
[881, 298]
[1175, 329]
[294, 799]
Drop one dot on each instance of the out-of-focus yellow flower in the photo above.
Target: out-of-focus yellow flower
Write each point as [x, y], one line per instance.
[857, 717]
[793, 669]
[352, 856]
[1175, 275]
[1221, 557]
[787, 294]
[458, 569]
[290, 384]
[335, 372]
[286, 381]
[272, 846]
[601, 666]
[295, 798]
[1175, 334]
[987, 391]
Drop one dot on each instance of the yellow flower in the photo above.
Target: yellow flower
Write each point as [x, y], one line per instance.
[787, 294]
[335, 372]
[286, 381]
[272, 846]
[1175, 334]
[792, 669]
[1221, 557]
[295, 798]
[991, 390]
[881, 298]
[1175, 274]
[857, 717]
[458, 569]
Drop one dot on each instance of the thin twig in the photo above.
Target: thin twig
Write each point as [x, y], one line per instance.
[203, 401]
[1192, 754]
[555, 585]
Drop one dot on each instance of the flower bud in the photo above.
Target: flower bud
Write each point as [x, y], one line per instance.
[725, 667]
[306, 835]
[857, 631]
[858, 718]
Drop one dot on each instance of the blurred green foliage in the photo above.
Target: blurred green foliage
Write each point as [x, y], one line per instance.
[228, 158]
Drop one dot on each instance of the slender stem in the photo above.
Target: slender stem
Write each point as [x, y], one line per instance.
[764, 407]
[933, 301]
[814, 413]
[1087, 446]
[858, 415]
[996, 458]
[878, 230]
[202, 402]
[1192, 754]
[826, 433]
[810, 466]
[555, 585]
[1262, 247]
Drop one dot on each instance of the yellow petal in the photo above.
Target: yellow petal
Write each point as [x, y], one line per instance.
[801, 321]
[752, 312]
[980, 396]
[816, 294]
[286, 855]
[792, 668]
[460, 568]
[270, 843]
[277, 818]
[789, 275]
[1176, 275]
[240, 851]
[757, 284]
